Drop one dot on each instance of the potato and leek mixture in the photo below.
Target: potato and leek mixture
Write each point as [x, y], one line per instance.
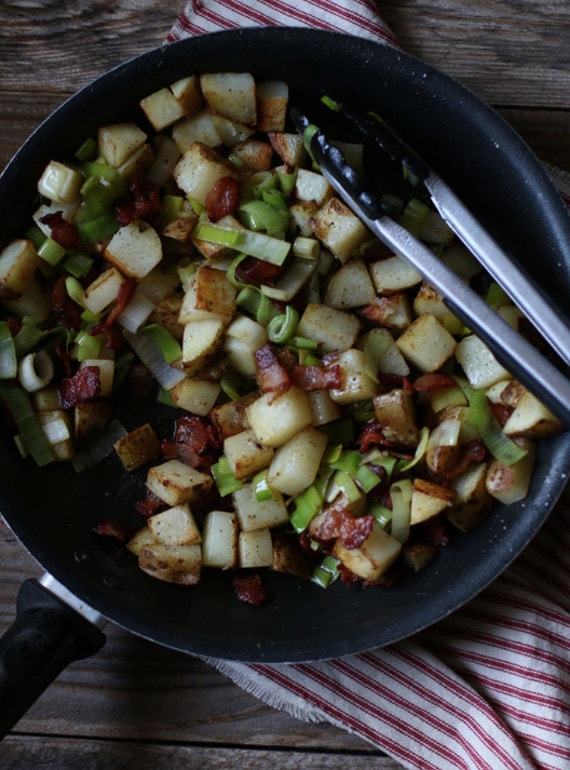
[330, 416]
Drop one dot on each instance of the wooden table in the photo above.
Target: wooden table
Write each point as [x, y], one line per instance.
[136, 702]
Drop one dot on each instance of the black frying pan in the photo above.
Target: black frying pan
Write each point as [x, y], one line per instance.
[53, 510]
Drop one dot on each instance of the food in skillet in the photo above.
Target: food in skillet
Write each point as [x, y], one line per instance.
[330, 416]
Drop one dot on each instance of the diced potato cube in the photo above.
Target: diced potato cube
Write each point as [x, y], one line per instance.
[231, 94]
[103, 291]
[188, 92]
[272, 100]
[243, 337]
[428, 300]
[166, 156]
[472, 502]
[166, 313]
[138, 447]
[382, 353]
[255, 549]
[135, 249]
[323, 408]
[90, 417]
[106, 368]
[162, 108]
[172, 563]
[175, 526]
[137, 164]
[195, 395]
[429, 500]
[393, 312]
[351, 286]
[300, 213]
[245, 455]
[531, 419]
[175, 482]
[56, 426]
[396, 414]
[220, 540]
[435, 230]
[340, 231]
[373, 558]
[275, 420]
[199, 169]
[312, 186]
[60, 182]
[230, 131]
[290, 148]
[254, 514]
[332, 329]
[116, 142]
[461, 261]
[394, 274]
[200, 127]
[479, 364]
[139, 540]
[253, 155]
[200, 341]
[295, 464]
[510, 483]
[159, 283]
[212, 291]
[231, 417]
[356, 383]
[426, 343]
[18, 262]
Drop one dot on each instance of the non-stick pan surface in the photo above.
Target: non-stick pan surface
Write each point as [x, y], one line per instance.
[53, 510]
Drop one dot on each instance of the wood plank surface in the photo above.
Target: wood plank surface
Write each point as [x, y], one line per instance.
[136, 703]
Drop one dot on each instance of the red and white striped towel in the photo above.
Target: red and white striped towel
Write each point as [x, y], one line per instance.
[489, 687]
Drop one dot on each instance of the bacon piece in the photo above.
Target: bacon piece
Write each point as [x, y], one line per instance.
[114, 529]
[257, 272]
[433, 381]
[315, 377]
[472, 452]
[250, 589]
[500, 412]
[150, 505]
[395, 381]
[223, 198]
[372, 435]
[85, 385]
[65, 309]
[114, 340]
[143, 204]
[341, 523]
[125, 293]
[272, 376]
[62, 231]
[196, 443]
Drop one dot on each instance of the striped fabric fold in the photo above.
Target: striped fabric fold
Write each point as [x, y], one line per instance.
[488, 688]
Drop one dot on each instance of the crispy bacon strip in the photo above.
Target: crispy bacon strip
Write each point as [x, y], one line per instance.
[250, 589]
[272, 376]
[340, 523]
[125, 293]
[85, 385]
[143, 204]
[433, 381]
[62, 231]
[223, 198]
[64, 308]
[257, 272]
[316, 377]
[114, 529]
[472, 452]
[196, 442]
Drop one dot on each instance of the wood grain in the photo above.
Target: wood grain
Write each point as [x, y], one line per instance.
[136, 703]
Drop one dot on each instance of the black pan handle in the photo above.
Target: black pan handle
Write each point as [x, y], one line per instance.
[46, 636]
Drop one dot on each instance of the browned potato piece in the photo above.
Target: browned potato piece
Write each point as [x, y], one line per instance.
[138, 447]
[172, 563]
[473, 502]
[395, 412]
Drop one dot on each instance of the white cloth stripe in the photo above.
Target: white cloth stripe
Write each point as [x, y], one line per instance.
[486, 688]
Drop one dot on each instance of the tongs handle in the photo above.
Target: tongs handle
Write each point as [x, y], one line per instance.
[516, 354]
[538, 309]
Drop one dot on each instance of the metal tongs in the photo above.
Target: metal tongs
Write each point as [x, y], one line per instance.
[513, 351]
